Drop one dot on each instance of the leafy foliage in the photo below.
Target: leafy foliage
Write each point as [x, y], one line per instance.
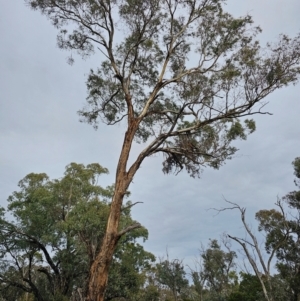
[182, 73]
[172, 275]
[216, 276]
[57, 230]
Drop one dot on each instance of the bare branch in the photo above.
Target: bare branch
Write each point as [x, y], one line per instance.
[129, 228]
[33, 240]
[131, 205]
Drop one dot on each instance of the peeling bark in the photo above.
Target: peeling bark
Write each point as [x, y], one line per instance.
[98, 275]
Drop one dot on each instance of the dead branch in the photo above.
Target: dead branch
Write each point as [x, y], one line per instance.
[131, 205]
[255, 248]
[129, 228]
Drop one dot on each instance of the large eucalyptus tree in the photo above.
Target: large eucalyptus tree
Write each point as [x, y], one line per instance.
[181, 75]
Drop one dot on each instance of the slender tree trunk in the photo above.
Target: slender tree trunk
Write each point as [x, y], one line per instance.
[99, 269]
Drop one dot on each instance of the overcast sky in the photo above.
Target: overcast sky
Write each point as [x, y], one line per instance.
[40, 132]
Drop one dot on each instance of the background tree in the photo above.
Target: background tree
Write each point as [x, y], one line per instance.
[281, 231]
[171, 274]
[148, 290]
[254, 253]
[57, 230]
[216, 276]
[249, 289]
[289, 254]
[189, 111]
[283, 237]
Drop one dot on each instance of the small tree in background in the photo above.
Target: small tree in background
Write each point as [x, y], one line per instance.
[171, 274]
[215, 277]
